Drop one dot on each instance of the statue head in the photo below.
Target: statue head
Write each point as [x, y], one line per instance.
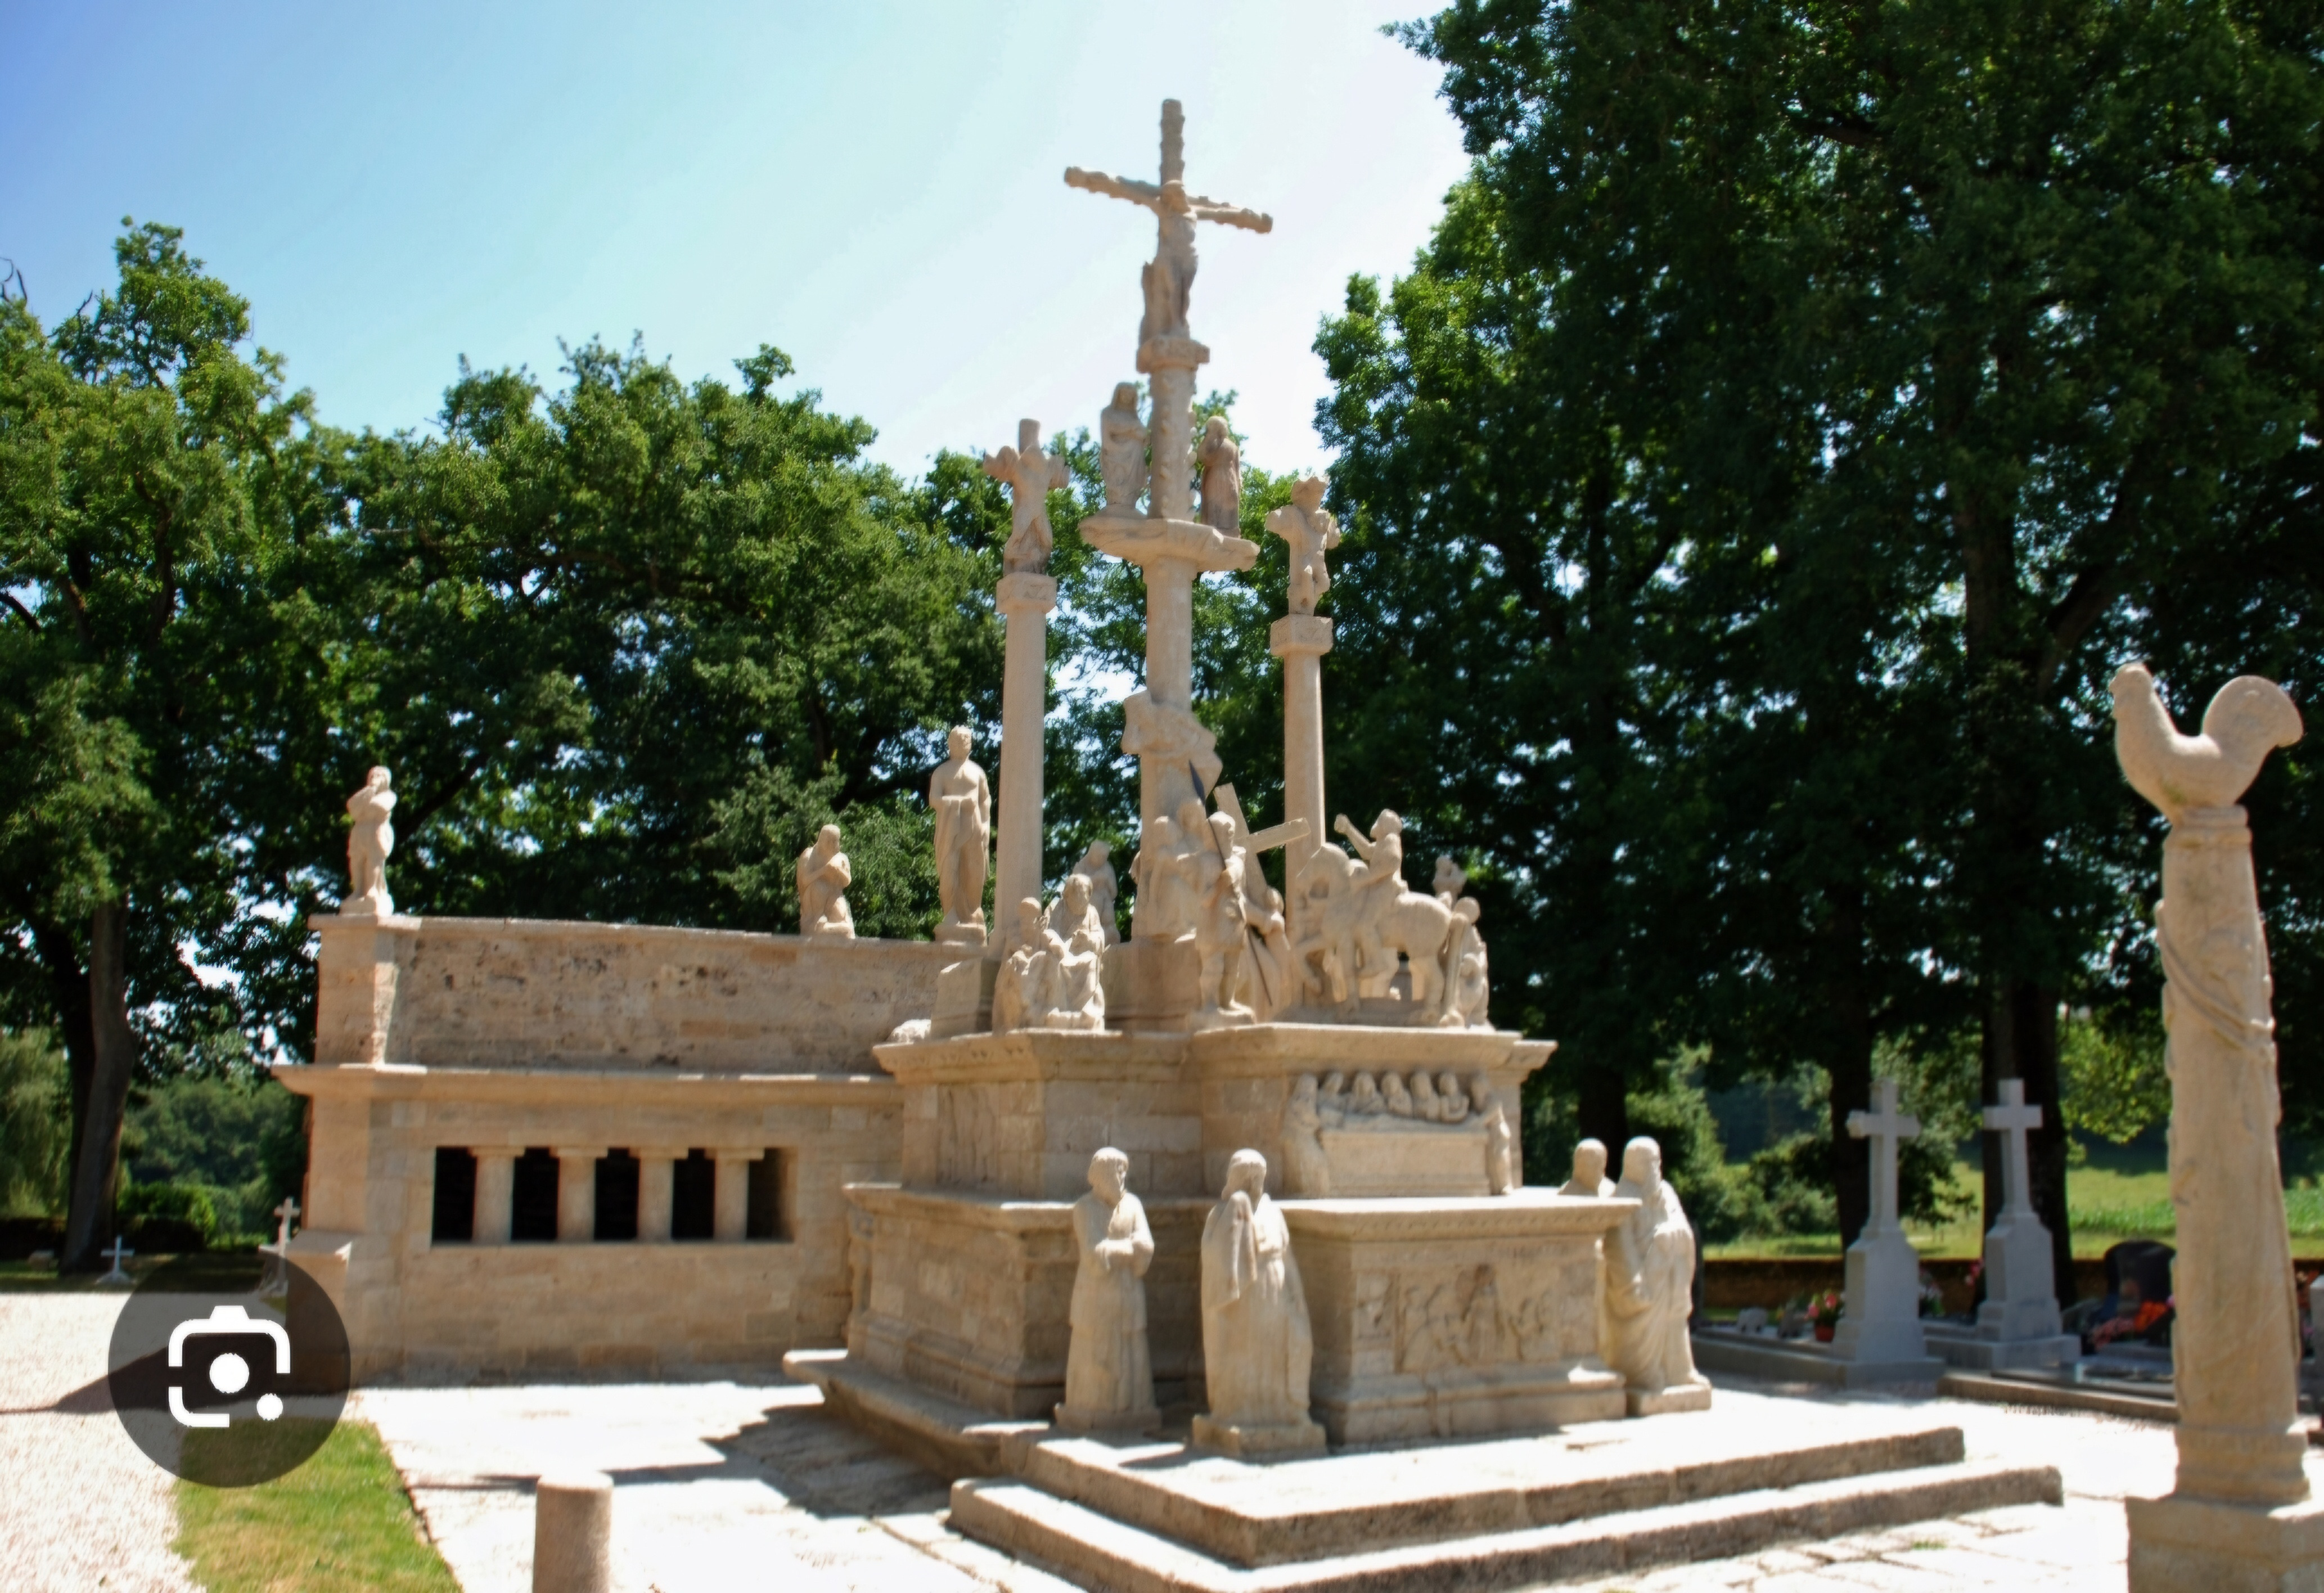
[826, 840]
[1076, 895]
[1480, 1100]
[1109, 1176]
[1450, 878]
[1222, 830]
[1165, 834]
[956, 741]
[1448, 1086]
[1125, 396]
[1642, 1164]
[1174, 196]
[1366, 1091]
[1387, 823]
[1247, 1172]
[1590, 1163]
[379, 779]
[1309, 493]
[1214, 430]
[1029, 921]
[1029, 437]
[1334, 1082]
[1099, 851]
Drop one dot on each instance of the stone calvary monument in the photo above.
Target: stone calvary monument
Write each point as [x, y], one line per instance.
[1149, 1240]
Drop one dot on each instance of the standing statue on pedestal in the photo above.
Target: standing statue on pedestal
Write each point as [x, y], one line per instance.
[822, 877]
[368, 844]
[1649, 1271]
[1032, 475]
[1309, 533]
[1222, 925]
[1121, 450]
[962, 801]
[1221, 464]
[1257, 1349]
[1109, 1370]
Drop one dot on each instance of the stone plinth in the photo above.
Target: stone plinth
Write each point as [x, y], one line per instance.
[1151, 986]
[1455, 1318]
[2180, 1545]
[968, 1293]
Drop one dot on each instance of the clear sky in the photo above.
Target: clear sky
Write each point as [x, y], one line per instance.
[875, 189]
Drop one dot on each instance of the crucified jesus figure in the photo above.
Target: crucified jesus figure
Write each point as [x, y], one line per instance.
[1169, 277]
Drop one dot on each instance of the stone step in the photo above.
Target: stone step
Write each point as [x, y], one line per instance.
[1099, 1552]
[1349, 1503]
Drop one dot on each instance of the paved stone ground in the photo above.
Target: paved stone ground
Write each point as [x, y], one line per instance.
[80, 1507]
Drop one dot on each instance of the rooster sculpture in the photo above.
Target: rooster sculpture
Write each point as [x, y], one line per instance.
[2248, 719]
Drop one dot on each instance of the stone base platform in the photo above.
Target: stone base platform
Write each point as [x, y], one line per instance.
[1966, 1346]
[948, 1438]
[1802, 1360]
[2195, 1546]
[1593, 1500]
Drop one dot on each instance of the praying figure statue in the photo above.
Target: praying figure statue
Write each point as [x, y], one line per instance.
[1104, 890]
[1020, 985]
[1222, 463]
[1121, 450]
[1221, 923]
[1031, 475]
[1500, 1142]
[1257, 1349]
[962, 800]
[1162, 911]
[1310, 532]
[1108, 1369]
[824, 876]
[368, 844]
[1649, 1276]
[1589, 1180]
[1305, 1170]
[1077, 997]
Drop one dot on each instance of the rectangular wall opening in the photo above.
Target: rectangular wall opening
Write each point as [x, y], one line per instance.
[533, 1217]
[455, 1220]
[693, 1197]
[617, 1195]
[769, 1209]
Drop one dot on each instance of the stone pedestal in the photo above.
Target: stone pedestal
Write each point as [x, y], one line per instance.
[1025, 600]
[1151, 986]
[1455, 1318]
[1301, 641]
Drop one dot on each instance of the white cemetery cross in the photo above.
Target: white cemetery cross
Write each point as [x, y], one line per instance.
[289, 1212]
[2021, 1291]
[1882, 1323]
[118, 1251]
[1167, 543]
[2241, 1514]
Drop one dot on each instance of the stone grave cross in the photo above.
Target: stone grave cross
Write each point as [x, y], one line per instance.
[2021, 1284]
[116, 1253]
[1883, 1126]
[289, 1212]
[2012, 1120]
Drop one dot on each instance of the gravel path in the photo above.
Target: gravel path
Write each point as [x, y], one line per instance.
[80, 1508]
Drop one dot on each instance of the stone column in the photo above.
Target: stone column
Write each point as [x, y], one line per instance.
[495, 1194]
[2241, 1515]
[1169, 364]
[731, 1213]
[1301, 641]
[1025, 599]
[576, 1193]
[655, 1189]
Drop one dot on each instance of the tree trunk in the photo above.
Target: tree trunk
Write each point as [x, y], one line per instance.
[96, 1162]
[68, 990]
[2020, 1042]
[1603, 1108]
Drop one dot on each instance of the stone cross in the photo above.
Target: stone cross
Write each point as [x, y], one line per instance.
[119, 1250]
[1883, 1126]
[2012, 1120]
[289, 1212]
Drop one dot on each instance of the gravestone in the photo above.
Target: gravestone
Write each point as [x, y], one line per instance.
[1881, 1326]
[2018, 1325]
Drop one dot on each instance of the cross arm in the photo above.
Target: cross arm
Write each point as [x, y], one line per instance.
[1203, 209]
[1114, 187]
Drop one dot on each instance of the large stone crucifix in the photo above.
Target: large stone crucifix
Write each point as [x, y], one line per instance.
[1168, 545]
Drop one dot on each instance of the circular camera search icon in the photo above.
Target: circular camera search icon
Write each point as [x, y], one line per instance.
[226, 1384]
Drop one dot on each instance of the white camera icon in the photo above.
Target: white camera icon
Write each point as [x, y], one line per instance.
[229, 1373]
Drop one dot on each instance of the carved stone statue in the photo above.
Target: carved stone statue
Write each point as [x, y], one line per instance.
[1364, 1098]
[1452, 1101]
[1109, 1370]
[1378, 880]
[1222, 463]
[368, 844]
[1077, 996]
[1031, 475]
[1649, 1272]
[1221, 924]
[1589, 1180]
[1305, 1170]
[1121, 450]
[1160, 736]
[1021, 986]
[1471, 993]
[1500, 1143]
[1396, 1095]
[2240, 1436]
[1309, 533]
[1451, 879]
[962, 800]
[824, 876]
[1097, 867]
[1257, 1349]
[1424, 1104]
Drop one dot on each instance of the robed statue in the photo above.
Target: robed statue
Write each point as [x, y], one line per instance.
[1257, 1349]
[1650, 1281]
[1109, 1370]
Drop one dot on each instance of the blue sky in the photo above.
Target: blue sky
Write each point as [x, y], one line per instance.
[875, 189]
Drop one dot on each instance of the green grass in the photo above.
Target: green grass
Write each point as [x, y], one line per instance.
[340, 1521]
[215, 1270]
